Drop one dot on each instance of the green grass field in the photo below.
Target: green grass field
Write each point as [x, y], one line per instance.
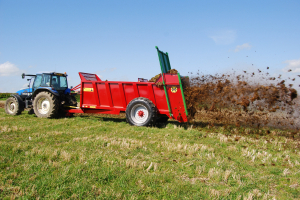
[103, 157]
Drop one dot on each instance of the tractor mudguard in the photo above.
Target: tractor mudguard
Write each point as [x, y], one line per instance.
[45, 89]
[67, 91]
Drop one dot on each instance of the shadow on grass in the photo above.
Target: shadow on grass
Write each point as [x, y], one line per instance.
[205, 126]
[227, 129]
[188, 125]
[118, 118]
[114, 119]
[103, 118]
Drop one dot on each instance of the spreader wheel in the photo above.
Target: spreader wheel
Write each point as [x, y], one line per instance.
[45, 105]
[13, 106]
[141, 112]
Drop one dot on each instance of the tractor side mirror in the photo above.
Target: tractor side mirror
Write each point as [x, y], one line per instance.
[23, 75]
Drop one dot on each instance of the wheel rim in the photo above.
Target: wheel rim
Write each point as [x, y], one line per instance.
[139, 114]
[43, 105]
[11, 107]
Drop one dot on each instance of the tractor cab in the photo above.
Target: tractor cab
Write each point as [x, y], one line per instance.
[55, 82]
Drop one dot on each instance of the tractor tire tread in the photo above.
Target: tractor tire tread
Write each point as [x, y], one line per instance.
[53, 110]
[19, 106]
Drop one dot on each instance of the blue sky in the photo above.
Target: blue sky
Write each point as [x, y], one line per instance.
[117, 39]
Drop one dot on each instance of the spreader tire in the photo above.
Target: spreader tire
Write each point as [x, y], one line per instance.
[14, 106]
[46, 105]
[141, 112]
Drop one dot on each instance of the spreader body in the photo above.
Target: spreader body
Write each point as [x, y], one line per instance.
[113, 97]
[144, 103]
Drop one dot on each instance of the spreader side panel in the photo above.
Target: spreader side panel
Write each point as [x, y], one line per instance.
[129, 92]
[88, 94]
[160, 100]
[116, 95]
[103, 95]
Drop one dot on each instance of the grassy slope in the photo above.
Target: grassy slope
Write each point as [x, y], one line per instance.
[101, 157]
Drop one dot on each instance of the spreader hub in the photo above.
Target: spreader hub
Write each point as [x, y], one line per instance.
[141, 113]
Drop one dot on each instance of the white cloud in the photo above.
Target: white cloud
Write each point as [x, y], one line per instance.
[224, 37]
[241, 47]
[9, 69]
[293, 65]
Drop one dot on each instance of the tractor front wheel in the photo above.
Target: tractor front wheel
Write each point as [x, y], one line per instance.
[13, 106]
[141, 112]
[46, 105]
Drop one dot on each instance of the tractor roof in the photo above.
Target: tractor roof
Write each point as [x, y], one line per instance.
[57, 74]
[51, 73]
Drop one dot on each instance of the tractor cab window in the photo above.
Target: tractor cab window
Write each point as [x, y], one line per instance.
[46, 80]
[59, 82]
[37, 81]
[63, 82]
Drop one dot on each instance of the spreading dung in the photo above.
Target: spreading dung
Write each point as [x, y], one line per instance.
[244, 99]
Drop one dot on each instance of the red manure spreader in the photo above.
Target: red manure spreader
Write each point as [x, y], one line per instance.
[144, 103]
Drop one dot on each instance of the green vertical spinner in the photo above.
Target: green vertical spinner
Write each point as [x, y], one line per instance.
[165, 66]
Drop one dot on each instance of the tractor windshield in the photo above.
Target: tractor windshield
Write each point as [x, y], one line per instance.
[50, 80]
[37, 81]
[59, 82]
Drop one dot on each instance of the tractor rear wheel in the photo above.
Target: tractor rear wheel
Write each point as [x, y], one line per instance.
[141, 112]
[46, 105]
[13, 106]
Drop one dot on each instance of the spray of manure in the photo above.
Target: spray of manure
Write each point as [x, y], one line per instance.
[245, 99]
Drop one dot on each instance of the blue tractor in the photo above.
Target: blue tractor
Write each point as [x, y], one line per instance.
[47, 98]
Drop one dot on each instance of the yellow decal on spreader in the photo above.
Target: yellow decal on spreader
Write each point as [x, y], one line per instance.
[92, 106]
[173, 89]
[88, 89]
